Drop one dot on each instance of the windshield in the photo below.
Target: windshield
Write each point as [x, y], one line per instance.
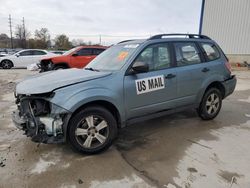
[113, 58]
[70, 51]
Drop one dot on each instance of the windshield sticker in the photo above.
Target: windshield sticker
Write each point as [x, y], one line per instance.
[122, 56]
[149, 84]
[131, 46]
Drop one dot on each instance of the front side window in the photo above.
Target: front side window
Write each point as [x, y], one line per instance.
[85, 52]
[186, 54]
[70, 51]
[26, 53]
[157, 56]
[211, 51]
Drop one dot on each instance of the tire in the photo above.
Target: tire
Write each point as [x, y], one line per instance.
[211, 104]
[6, 64]
[58, 67]
[92, 130]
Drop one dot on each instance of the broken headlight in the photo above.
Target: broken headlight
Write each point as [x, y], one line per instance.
[43, 118]
[40, 107]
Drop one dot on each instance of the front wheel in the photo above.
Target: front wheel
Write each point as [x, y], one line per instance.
[59, 67]
[6, 64]
[92, 130]
[211, 104]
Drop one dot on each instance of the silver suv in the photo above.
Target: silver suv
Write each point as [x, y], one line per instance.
[132, 81]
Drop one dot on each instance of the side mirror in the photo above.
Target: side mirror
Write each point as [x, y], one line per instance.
[74, 54]
[140, 67]
[17, 55]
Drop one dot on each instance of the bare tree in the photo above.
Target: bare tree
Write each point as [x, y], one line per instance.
[62, 42]
[78, 42]
[4, 41]
[42, 38]
[21, 34]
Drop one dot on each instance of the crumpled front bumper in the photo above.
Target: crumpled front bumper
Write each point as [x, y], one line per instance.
[46, 128]
[45, 65]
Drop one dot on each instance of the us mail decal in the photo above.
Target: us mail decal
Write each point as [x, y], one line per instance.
[149, 84]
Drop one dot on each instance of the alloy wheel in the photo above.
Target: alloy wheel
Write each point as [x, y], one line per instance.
[212, 103]
[92, 131]
[6, 65]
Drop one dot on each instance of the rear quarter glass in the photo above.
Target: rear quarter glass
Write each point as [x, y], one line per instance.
[221, 52]
[225, 60]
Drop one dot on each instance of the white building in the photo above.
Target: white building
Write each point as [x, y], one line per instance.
[228, 23]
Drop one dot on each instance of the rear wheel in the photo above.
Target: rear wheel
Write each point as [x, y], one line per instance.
[92, 130]
[6, 64]
[211, 104]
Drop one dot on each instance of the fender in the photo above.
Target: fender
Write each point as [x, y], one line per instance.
[88, 95]
[206, 83]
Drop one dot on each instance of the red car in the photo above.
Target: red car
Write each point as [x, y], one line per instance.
[77, 57]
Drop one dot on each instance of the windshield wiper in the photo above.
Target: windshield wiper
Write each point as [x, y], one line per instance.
[91, 69]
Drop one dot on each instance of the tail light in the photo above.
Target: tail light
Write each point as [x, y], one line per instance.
[228, 66]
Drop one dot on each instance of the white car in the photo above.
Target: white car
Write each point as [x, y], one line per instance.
[3, 55]
[24, 58]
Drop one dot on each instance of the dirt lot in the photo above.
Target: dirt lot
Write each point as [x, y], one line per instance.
[175, 151]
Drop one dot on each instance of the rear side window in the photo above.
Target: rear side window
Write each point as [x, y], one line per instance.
[85, 52]
[186, 53]
[211, 51]
[157, 56]
[97, 51]
[26, 53]
[38, 52]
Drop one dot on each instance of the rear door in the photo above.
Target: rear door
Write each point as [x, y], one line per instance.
[213, 58]
[191, 72]
[155, 90]
[84, 56]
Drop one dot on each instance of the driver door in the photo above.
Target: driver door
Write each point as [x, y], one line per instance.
[155, 90]
[24, 59]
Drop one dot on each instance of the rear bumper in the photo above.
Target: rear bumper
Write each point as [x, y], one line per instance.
[229, 85]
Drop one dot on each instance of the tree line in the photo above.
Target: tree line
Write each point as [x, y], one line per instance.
[41, 40]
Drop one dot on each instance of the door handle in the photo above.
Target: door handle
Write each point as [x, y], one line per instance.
[205, 69]
[169, 76]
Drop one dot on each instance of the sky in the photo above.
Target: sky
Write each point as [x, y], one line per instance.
[114, 20]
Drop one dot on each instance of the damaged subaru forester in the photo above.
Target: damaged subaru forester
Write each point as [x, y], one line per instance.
[131, 81]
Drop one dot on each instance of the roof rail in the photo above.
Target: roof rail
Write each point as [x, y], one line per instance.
[124, 41]
[179, 34]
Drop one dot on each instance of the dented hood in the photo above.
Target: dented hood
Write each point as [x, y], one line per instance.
[49, 81]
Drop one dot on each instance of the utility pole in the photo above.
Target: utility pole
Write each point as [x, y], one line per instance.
[100, 39]
[24, 34]
[11, 39]
[201, 16]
